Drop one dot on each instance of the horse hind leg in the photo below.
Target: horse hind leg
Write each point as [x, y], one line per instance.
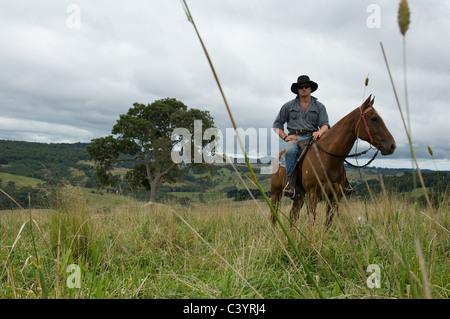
[276, 201]
[277, 182]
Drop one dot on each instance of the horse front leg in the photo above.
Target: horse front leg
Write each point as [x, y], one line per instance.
[333, 205]
[295, 210]
[311, 206]
[332, 208]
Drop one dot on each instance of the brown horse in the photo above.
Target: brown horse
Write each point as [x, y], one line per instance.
[322, 172]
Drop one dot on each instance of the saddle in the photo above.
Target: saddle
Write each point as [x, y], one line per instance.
[296, 178]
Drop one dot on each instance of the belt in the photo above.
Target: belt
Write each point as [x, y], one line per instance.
[300, 132]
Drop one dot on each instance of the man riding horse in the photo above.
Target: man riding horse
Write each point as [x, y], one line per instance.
[306, 118]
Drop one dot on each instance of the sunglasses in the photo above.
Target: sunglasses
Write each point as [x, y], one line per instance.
[304, 86]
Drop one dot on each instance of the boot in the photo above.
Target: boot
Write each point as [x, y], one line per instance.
[289, 190]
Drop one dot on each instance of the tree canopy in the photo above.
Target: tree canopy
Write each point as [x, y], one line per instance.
[143, 136]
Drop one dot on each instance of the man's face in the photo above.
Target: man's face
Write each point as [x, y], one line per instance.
[304, 89]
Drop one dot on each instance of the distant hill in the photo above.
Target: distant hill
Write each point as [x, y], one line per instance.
[40, 162]
[47, 162]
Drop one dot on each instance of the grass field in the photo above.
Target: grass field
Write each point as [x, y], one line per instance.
[20, 181]
[222, 249]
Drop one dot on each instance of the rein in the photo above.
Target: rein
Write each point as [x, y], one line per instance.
[361, 153]
[357, 166]
[353, 155]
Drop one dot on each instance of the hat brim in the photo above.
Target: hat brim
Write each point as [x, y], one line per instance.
[294, 87]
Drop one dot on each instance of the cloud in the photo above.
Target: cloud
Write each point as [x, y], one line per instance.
[44, 132]
[79, 80]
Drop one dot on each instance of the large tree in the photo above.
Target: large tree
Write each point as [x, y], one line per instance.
[144, 136]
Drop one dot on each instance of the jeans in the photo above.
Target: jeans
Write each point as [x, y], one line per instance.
[291, 153]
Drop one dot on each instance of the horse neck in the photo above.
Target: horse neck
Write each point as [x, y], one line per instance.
[341, 137]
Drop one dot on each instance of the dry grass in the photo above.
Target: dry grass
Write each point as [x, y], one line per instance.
[222, 250]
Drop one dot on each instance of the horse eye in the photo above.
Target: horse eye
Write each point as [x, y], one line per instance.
[374, 118]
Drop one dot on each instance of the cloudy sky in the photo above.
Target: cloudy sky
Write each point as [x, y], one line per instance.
[70, 68]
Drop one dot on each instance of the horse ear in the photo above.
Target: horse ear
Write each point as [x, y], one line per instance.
[372, 101]
[366, 103]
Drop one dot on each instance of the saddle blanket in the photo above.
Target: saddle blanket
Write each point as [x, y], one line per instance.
[282, 160]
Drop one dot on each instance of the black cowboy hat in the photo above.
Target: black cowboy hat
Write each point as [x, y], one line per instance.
[302, 79]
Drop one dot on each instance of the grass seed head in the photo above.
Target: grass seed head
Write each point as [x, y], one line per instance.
[430, 150]
[403, 16]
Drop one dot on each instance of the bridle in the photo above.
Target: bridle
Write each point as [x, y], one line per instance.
[356, 132]
[365, 122]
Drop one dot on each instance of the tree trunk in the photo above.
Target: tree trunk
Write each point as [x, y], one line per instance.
[156, 181]
[154, 186]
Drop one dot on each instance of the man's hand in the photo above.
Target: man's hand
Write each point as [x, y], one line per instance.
[316, 135]
[291, 137]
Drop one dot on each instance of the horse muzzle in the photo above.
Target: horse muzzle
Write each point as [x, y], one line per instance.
[387, 148]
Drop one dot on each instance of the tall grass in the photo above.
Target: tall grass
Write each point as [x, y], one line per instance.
[404, 21]
[134, 250]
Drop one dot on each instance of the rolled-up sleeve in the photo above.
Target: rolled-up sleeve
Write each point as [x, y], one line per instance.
[323, 116]
[280, 119]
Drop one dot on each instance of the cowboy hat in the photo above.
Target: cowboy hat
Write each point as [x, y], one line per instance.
[301, 80]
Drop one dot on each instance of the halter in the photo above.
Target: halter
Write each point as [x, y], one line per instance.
[365, 123]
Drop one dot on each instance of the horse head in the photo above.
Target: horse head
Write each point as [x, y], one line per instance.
[371, 128]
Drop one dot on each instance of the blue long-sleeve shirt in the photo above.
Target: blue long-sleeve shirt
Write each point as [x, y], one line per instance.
[292, 113]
